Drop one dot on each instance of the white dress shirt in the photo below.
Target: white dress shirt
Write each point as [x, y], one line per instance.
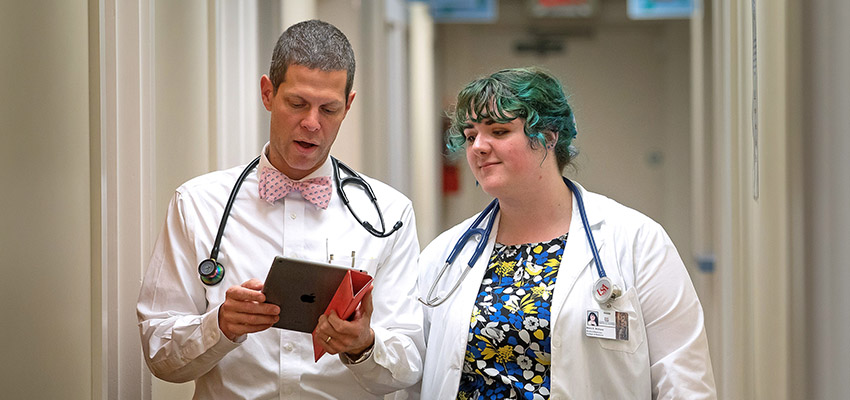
[666, 355]
[178, 314]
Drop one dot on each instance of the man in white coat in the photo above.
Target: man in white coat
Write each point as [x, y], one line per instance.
[212, 325]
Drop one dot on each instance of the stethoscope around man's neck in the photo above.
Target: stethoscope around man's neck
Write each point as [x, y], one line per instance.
[212, 272]
[604, 291]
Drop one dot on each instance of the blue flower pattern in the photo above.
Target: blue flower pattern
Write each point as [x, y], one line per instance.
[508, 353]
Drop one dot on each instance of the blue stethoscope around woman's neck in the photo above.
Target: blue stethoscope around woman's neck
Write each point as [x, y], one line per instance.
[604, 290]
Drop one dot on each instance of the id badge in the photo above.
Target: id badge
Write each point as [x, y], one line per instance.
[612, 325]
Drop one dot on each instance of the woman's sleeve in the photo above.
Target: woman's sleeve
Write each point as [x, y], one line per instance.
[680, 364]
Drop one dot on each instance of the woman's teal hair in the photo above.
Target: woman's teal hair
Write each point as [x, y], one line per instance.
[530, 93]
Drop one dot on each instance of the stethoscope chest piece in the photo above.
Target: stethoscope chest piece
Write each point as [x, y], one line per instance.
[604, 290]
[211, 272]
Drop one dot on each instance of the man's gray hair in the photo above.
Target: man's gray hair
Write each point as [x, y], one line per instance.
[316, 45]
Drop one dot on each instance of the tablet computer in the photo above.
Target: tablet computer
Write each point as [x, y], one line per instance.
[302, 289]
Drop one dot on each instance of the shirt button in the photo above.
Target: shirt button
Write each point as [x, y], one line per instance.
[287, 347]
[556, 342]
[292, 216]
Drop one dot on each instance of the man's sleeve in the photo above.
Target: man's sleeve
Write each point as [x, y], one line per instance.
[181, 340]
[396, 359]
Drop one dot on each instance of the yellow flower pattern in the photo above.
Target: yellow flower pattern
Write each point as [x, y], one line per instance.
[508, 352]
[504, 269]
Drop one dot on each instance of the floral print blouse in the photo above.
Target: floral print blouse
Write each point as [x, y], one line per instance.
[508, 350]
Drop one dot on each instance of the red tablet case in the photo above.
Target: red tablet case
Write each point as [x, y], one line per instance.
[346, 300]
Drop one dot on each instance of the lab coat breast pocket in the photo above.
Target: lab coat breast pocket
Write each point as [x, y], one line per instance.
[627, 303]
[363, 263]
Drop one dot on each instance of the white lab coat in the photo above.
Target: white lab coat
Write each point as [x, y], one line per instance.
[178, 315]
[666, 355]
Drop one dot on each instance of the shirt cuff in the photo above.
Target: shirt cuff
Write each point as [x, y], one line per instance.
[371, 359]
[213, 332]
[363, 357]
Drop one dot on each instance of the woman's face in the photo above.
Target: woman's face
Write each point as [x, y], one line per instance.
[501, 158]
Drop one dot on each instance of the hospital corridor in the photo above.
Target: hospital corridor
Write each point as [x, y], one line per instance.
[727, 122]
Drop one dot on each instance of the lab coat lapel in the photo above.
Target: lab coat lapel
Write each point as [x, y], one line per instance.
[472, 282]
[577, 254]
[464, 299]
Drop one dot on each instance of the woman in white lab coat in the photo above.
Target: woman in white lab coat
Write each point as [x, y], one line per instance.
[517, 325]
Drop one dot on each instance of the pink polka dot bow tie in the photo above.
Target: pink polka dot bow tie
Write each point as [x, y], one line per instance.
[274, 185]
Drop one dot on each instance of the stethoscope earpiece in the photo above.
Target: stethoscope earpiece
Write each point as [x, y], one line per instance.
[211, 272]
[357, 180]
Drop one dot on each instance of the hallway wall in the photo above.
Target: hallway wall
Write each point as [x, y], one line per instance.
[825, 140]
[628, 84]
[45, 222]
